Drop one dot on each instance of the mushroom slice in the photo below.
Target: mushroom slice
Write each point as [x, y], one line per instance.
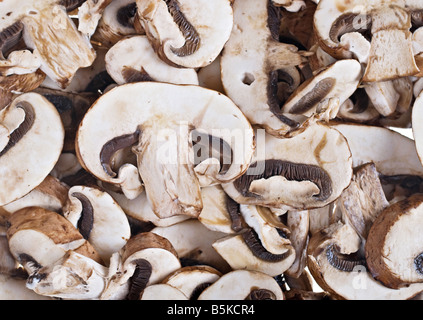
[358, 108]
[394, 252]
[196, 244]
[134, 59]
[243, 285]
[193, 280]
[74, 276]
[364, 199]
[35, 144]
[51, 194]
[39, 237]
[187, 33]
[99, 219]
[89, 14]
[160, 127]
[116, 22]
[336, 262]
[146, 259]
[307, 171]
[389, 27]
[47, 30]
[390, 151]
[250, 63]
[162, 291]
[417, 120]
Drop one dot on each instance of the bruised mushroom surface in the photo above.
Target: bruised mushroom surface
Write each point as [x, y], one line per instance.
[187, 33]
[50, 33]
[307, 171]
[34, 144]
[160, 127]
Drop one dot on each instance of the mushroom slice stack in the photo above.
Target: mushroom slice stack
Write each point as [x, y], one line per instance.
[337, 262]
[98, 218]
[250, 63]
[39, 237]
[243, 285]
[34, 143]
[146, 259]
[46, 29]
[389, 27]
[75, 277]
[193, 280]
[187, 33]
[134, 59]
[307, 171]
[159, 121]
[394, 250]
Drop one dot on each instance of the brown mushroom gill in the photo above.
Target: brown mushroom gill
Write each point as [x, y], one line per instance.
[417, 19]
[132, 75]
[126, 14]
[86, 221]
[253, 242]
[344, 262]
[23, 128]
[139, 279]
[260, 294]
[192, 38]
[360, 101]
[350, 22]
[232, 207]
[198, 290]
[10, 37]
[418, 263]
[71, 5]
[113, 146]
[412, 183]
[291, 171]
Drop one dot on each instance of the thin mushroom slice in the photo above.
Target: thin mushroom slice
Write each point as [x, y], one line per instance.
[387, 26]
[98, 218]
[35, 144]
[74, 277]
[146, 259]
[250, 65]
[193, 280]
[394, 253]
[187, 33]
[39, 237]
[243, 285]
[337, 262]
[160, 128]
[89, 14]
[307, 171]
[417, 120]
[162, 291]
[134, 59]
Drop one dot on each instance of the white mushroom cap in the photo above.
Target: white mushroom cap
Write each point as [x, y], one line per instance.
[35, 147]
[134, 59]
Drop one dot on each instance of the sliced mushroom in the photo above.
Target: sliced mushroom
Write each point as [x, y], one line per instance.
[160, 127]
[250, 62]
[243, 285]
[388, 27]
[146, 259]
[35, 143]
[74, 277]
[187, 33]
[364, 199]
[39, 237]
[339, 267]
[162, 291]
[99, 219]
[193, 280]
[358, 108]
[133, 59]
[307, 171]
[89, 14]
[417, 120]
[394, 253]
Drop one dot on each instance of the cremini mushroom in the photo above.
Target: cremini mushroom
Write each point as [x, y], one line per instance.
[307, 171]
[146, 259]
[243, 285]
[33, 147]
[99, 219]
[50, 33]
[187, 33]
[387, 27]
[394, 253]
[133, 59]
[160, 128]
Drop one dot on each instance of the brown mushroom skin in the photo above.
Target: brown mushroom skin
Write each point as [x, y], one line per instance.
[376, 238]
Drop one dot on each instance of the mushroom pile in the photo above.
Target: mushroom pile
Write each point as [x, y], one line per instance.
[204, 150]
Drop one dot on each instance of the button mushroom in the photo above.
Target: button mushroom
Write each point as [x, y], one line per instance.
[187, 33]
[34, 145]
[159, 126]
